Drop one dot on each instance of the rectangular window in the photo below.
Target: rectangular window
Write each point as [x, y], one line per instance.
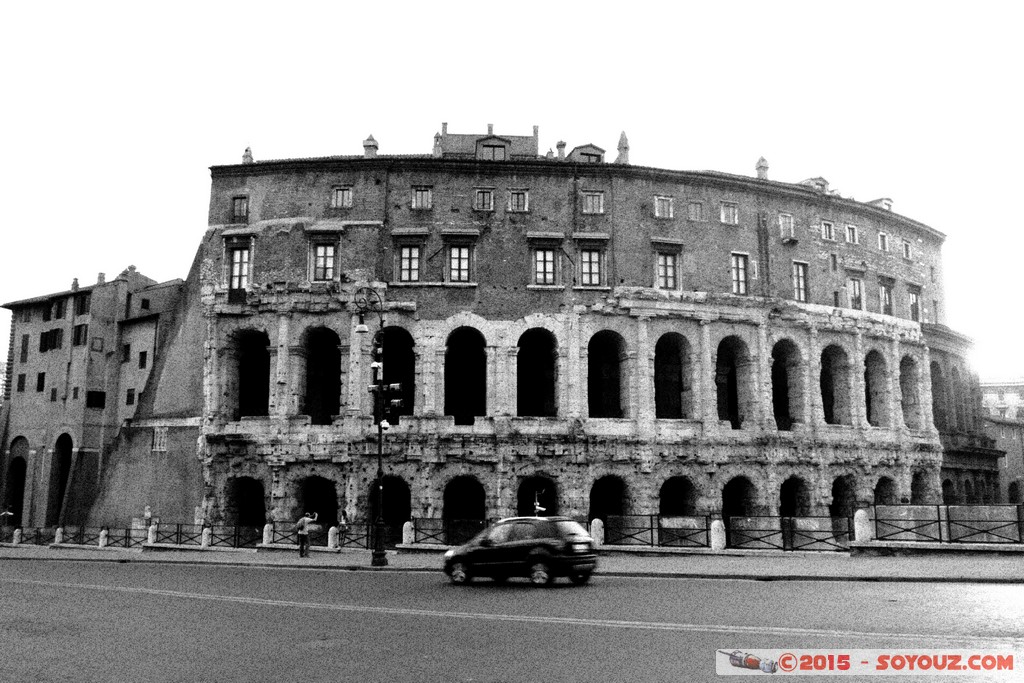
[834, 261]
[160, 439]
[855, 290]
[129, 399]
[409, 264]
[53, 395]
[593, 202]
[518, 201]
[663, 207]
[590, 267]
[26, 315]
[239, 268]
[907, 250]
[885, 298]
[126, 353]
[458, 264]
[74, 393]
[323, 262]
[730, 213]
[695, 211]
[51, 339]
[21, 382]
[800, 281]
[144, 304]
[82, 302]
[935, 311]
[24, 348]
[828, 231]
[80, 334]
[46, 313]
[835, 298]
[739, 273]
[851, 234]
[492, 152]
[143, 359]
[544, 266]
[59, 308]
[41, 381]
[422, 198]
[915, 305]
[883, 241]
[341, 198]
[785, 225]
[240, 210]
[667, 271]
[484, 200]
[95, 399]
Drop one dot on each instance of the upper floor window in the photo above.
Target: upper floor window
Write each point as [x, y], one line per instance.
[51, 339]
[41, 381]
[518, 200]
[95, 399]
[883, 241]
[409, 263]
[60, 306]
[238, 274]
[240, 210]
[785, 225]
[21, 382]
[80, 335]
[855, 292]
[907, 249]
[730, 213]
[26, 315]
[885, 298]
[341, 198]
[591, 267]
[668, 272]
[24, 348]
[593, 201]
[695, 211]
[82, 302]
[828, 231]
[738, 266]
[915, 305]
[544, 266]
[143, 359]
[663, 207]
[851, 234]
[421, 198]
[589, 158]
[323, 262]
[492, 152]
[800, 281]
[483, 199]
[129, 399]
[459, 262]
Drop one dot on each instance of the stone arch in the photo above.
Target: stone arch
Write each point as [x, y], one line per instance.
[836, 386]
[14, 482]
[910, 395]
[940, 415]
[844, 497]
[400, 368]
[251, 351]
[245, 502]
[322, 395]
[317, 494]
[465, 508]
[919, 489]
[1013, 493]
[60, 473]
[734, 382]
[537, 374]
[607, 375]
[739, 499]
[969, 494]
[539, 490]
[956, 417]
[794, 498]
[673, 377]
[607, 498]
[397, 506]
[949, 496]
[465, 375]
[876, 389]
[787, 385]
[677, 498]
[885, 491]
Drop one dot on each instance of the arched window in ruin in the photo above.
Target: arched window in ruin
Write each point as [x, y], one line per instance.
[836, 386]
[60, 471]
[537, 491]
[949, 496]
[876, 390]
[536, 374]
[678, 498]
[319, 495]
[969, 498]
[738, 500]
[606, 375]
[787, 385]
[252, 374]
[939, 390]
[323, 375]
[919, 489]
[794, 498]
[673, 377]
[734, 382]
[843, 497]
[400, 368]
[14, 482]
[960, 399]
[397, 509]
[465, 375]
[1013, 493]
[910, 396]
[464, 510]
[607, 497]
[885, 491]
[245, 503]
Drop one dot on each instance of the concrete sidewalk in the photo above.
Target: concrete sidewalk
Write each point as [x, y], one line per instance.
[761, 565]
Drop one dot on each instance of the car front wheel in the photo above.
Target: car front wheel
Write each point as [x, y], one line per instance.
[540, 573]
[459, 573]
[579, 578]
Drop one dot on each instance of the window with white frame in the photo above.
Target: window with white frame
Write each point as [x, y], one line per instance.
[695, 211]
[730, 213]
[915, 304]
[668, 270]
[459, 263]
[590, 267]
[593, 201]
[851, 234]
[323, 261]
[855, 292]
[828, 231]
[800, 281]
[544, 265]
[883, 241]
[422, 198]
[885, 298]
[409, 263]
[238, 256]
[341, 198]
[908, 251]
[785, 225]
[518, 201]
[159, 439]
[663, 207]
[739, 267]
[483, 199]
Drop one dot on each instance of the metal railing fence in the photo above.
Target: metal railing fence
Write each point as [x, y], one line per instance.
[949, 523]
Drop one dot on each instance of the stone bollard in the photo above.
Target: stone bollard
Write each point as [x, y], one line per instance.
[597, 532]
[151, 534]
[717, 534]
[16, 539]
[207, 538]
[58, 535]
[104, 535]
[408, 534]
[862, 530]
[268, 533]
[332, 538]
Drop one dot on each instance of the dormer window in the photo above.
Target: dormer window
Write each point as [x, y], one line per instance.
[590, 158]
[492, 152]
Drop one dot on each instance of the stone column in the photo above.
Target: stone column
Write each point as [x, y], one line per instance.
[815, 413]
[925, 390]
[641, 404]
[438, 380]
[763, 409]
[344, 352]
[296, 385]
[706, 396]
[574, 394]
[494, 404]
[858, 411]
[279, 365]
[892, 385]
[357, 384]
[510, 389]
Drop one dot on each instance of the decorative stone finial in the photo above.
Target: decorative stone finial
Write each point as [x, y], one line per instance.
[369, 147]
[561, 149]
[74, 285]
[762, 168]
[623, 157]
[247, 157]
[437, 145]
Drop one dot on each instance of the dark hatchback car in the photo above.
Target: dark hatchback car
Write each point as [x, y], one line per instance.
[538, 548]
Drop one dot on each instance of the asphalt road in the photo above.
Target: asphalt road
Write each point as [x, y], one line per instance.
[91, 621]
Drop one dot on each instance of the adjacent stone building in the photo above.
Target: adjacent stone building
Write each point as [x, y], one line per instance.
[585, 335]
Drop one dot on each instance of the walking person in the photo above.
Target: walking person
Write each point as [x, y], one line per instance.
[342, 529]
[302, 527]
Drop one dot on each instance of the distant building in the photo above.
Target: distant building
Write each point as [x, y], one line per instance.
[1004, 399]
[1004, 403]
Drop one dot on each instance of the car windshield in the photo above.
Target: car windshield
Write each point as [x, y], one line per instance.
[567, 527]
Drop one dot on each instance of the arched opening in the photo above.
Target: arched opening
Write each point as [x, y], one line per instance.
[949, 496]
[60, 471]
[465, 376]
[919, 489]
[787, 385]
[397, 507]
[673, 382]
[534, 493]
[876, 390]
[253, 374]
[733, 382]
[910, 396]
[794, 498]
[14, 484]
[678, 498]
[835, 386]
[1013, 493]
[956, 417]
[400, 368]
[536, 374]
[885, 492]
[939, 414]
[319, 495]
[969, 498]
[323, 375]
[607, 498]
[464, 510]
[606, 379]
[844, 499]
[245, 504]
[738, 499]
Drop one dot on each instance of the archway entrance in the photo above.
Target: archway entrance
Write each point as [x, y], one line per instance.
[59, 473]
[537, 491]
[397, 507]
[464, 509]
[737, 503]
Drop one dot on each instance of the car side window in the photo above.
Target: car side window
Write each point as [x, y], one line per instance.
[521, 531]
[500, 533]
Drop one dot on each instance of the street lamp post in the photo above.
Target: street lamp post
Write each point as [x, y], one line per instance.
[369, 301]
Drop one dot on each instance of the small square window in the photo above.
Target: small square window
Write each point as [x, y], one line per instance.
[459, 263]
[663, 207]
[143, 359]
[851, 234]
[144, 304]
[95, 399]
[240, 210]
[730, 213]
[883, 241]
[828, 231]
[323, 262]
[126, 353]
[695, 211]
[544, 266]
[786, 226]
[590, 267]
[422, 199]
[409, 263]
[519, 201]
[483, 199]
[668, 272]
[341, 198]
[593, 201]
[908, 251]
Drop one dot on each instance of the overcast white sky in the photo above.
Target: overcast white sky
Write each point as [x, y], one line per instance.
[113, 111]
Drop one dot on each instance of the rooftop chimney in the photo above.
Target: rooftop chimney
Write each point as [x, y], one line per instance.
[101, 279]
[762, 168]
[74, 285]
[490, 129]
[369, 147]
[561, 150]
[437, 145]
[623, 157]
[882, 203]
[247, 157]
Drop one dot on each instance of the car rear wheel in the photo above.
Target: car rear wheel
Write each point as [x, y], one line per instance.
[460, 573]
[579, 578]
[500, 578]
[540, 573]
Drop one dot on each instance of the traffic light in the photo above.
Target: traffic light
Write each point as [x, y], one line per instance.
[393, 402]
[377, 358]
